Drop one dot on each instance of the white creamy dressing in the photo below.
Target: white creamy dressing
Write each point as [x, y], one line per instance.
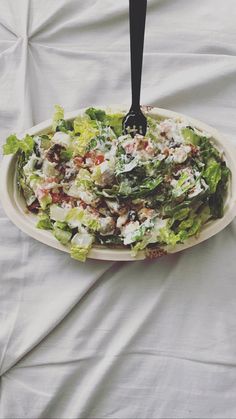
[61, 138]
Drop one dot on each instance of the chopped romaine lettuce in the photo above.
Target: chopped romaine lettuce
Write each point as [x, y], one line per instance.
[80, 246]
[115, 122]
[62, 236]
[78, 216]
[58, 115]
[84, 179]
[212, 174]
[96, 114]
[44, 222]
[45, 201]
[58, 213]
[13, 144]
[85, 130]
[190, 136]
[64, 125]
[216, 201]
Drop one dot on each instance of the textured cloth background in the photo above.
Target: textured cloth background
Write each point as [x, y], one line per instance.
[125, 340]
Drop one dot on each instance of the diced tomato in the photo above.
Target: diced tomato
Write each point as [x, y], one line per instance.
[95, 159]
[90, 155]
[79, 161]
[99, 159]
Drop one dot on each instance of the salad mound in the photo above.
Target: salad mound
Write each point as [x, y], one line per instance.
[92, 185]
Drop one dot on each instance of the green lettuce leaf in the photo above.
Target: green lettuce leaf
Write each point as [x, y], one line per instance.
[67, 154]
[181, 214]
[186, 224]
[115, 122]
[62, 236]
[152, 128]
[45, 201]
[84, 178]
[79, 253]
[190, 136]
[58, 115]
[61, 225]
[78, 216]
[45, 142]
[167, 236]
[27, 192]
[44, 222]
[13, 144]
[192, 225]
[212, 174]
[216, 201]
[112, 120]
[27, 144]
[64, 125]
[207, 150]
[96, 114]
[85, 130]
[138, 247]
[62, 232]
[126, 190]
[80, 246]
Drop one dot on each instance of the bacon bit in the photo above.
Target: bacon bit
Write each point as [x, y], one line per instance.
[145, 213]
[99, 159]
[51, 180]
[58, 197]
[194, 149]
[177, 168]
[83, 204]
[66, 198]
[155, 253]
[142, 145]
[167, 178]
[78, 161]
[34, 207]
[94, 211]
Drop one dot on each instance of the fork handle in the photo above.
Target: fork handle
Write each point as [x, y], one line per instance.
[137, 16]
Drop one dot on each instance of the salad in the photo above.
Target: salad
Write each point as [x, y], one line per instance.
[91, 185]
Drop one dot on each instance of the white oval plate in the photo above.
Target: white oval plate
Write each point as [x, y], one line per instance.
[14, 205]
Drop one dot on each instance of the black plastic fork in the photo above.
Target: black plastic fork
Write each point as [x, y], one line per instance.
[135, 122]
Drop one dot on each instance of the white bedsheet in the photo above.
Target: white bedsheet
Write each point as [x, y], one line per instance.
[125, 340]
